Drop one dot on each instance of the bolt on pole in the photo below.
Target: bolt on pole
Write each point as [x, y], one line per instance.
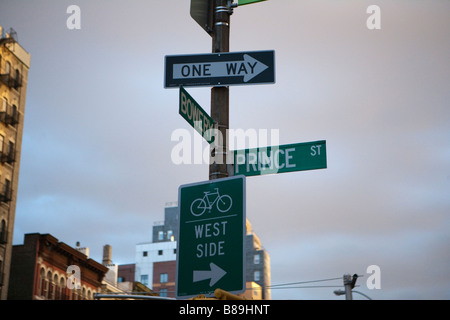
[220, 95]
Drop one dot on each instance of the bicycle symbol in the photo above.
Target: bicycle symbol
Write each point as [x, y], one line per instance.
[222, 202]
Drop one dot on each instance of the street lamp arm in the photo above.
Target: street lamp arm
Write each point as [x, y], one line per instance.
[362, 294]
[342, 292]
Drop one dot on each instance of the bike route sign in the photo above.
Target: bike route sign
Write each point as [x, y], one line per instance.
[210, 246]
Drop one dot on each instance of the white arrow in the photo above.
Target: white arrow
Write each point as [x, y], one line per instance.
[215, 274]
[247, 68]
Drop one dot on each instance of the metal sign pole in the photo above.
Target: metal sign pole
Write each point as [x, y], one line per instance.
[220, 95]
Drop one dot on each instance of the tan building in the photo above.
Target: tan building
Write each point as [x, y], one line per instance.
[14, 66]
[112, 288]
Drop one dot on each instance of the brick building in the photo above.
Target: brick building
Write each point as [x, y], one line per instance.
[39, 271]
[164, 273]
[126, 272]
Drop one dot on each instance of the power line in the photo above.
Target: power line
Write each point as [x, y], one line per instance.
[289, 285]
[302, 282]
[307, 287]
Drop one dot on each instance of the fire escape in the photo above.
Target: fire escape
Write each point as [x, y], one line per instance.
[9, 114]
[7, 76]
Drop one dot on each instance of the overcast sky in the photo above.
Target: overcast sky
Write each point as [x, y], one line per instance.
[96, 156]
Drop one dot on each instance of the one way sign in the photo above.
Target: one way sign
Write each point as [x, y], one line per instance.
[220, 69]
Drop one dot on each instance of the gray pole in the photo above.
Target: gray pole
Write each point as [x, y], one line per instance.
[220, 95]
[348, 286]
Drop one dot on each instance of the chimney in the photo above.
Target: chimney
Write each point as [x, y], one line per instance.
[84, 250]
[107, 254]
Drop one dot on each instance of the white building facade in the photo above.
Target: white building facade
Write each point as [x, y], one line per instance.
[147, 254]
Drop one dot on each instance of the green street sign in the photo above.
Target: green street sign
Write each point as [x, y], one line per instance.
[210, 246]
[196, 116]
[242, 2]
[280, 159]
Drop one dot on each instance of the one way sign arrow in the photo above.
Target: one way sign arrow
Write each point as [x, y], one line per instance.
[220, 69]
[248, 68]
[215, 274]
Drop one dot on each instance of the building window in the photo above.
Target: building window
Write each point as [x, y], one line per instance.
[62, 291]
[163, 277]
[10, 148]
[10, 153]
[49, 286]
[41, 291]
[144, 279]
[161, 235]
[145, 253]
[174, 251]
[5, 192]
[14, 110]
[3, 234]
[170, 235]
[160, 252]
[256, 258]
[7, 187]
[257, 276]
[163, 293]
[56, 291]
[4, 104]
